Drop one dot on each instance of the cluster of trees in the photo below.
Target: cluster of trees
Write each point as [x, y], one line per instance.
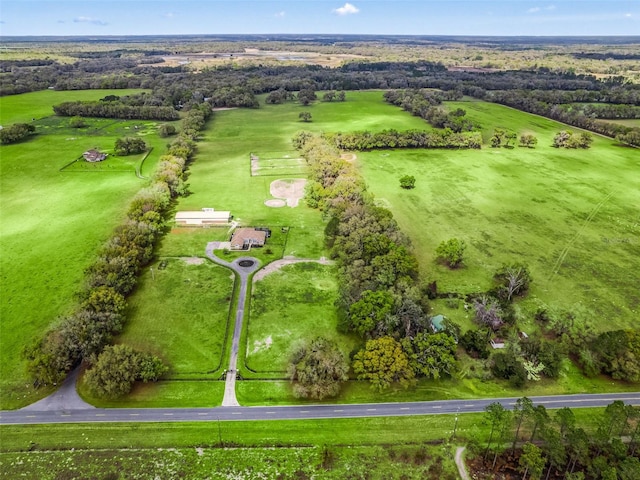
[378, 297]
[615, 353]
[332, 95]
[16, 132]
[408, 139]
[503, 138]
[115, 109]
[556, 443]
[423, 103]
[118, 367]
[129, 146]
[305, 96]
[84, 335]
[231, 96]
[568, 139]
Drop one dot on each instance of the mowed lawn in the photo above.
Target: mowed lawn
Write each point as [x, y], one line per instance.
[179, 312]
[289, 306]
[571, 215]
[51, 224]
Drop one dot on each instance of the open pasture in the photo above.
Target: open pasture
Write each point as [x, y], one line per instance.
[571, 215]
[277, 164]
[51, 225]
[180, 311]
[292, 304]
[27, 107]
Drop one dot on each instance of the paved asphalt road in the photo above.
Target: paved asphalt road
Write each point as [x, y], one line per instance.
[19, 417]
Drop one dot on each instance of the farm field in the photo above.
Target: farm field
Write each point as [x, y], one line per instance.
[571, 215]
[52, 221]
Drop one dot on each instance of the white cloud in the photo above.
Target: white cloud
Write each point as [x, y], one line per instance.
[169, 15]
[279, 14]
[347, 9]
[548, 8]
[94, 21]
[628, 15]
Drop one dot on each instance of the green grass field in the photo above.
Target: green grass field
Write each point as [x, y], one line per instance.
[571, 215]
[52, 222]
[385, 447]
[188, 332]
[290, 305]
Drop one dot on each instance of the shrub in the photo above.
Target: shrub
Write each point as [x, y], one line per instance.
[451, 252]
[166, 130]
[16, 132]
[408, 182]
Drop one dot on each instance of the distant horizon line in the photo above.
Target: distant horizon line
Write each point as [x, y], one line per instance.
[396, 35]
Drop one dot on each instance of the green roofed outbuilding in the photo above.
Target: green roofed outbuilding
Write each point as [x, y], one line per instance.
[437, 324]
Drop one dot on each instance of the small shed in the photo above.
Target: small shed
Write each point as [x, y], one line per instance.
[94, 156]
[203, 218]
[437, 323]
[245, 238]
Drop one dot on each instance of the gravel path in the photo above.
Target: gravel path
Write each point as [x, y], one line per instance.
[462, 468]
[278, 264]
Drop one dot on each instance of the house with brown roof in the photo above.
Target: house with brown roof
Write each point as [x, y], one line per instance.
[94, 156]
[245, 238]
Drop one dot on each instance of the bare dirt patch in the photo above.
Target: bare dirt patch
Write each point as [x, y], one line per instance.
[291, 190]
[278, 264]
[349, 157]
[275, 203]
[192, 260]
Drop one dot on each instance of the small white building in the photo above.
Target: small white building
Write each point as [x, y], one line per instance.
[202, 218]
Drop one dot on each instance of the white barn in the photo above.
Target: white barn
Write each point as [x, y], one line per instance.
[203, 218]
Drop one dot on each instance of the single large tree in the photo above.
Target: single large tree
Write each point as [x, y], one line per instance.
[513, 279]
[531, 462]
[317, 369]
[371, 309]
[383, 362]
[431, 355]
[451, 252]
[496, 415]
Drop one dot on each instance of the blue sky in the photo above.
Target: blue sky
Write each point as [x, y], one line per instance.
[415, 17]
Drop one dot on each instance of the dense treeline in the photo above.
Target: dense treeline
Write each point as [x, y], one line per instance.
[536, 442]
[522, 101]
[609, 111]
[539, 91]
[407, 139]
[84, 335]
[115, 109]
[378, 273]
